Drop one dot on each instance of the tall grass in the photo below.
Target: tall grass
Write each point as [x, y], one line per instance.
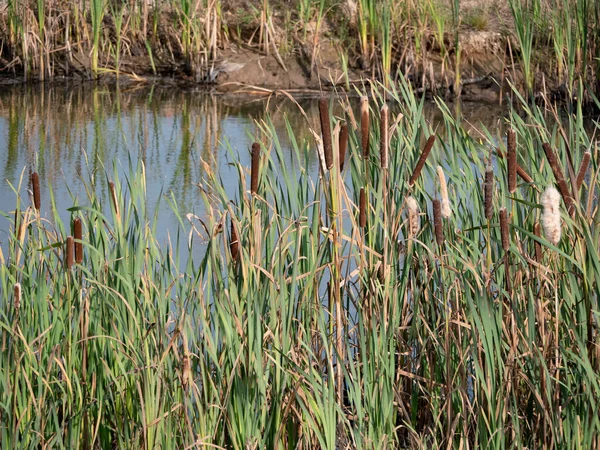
[344, 309]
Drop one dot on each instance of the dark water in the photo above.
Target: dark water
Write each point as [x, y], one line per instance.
[69, 133]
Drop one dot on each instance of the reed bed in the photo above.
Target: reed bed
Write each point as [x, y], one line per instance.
[343, 310]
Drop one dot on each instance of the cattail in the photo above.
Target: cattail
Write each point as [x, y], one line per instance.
[511, 143]
[488, 190]
[537, 246]
[70, 252]
[77, 233]
[384, 131]
[504, 229]
[35, 185]
[343, 142]
[362, 209]
[446, 209]
[414, 221]
[364, 125]
[520, 171]
[185, 370]
[422, 159]
[17, 296]
[113, 196]
[585, 163]
[437, 221]
[551, 216]
[326, 132]
[560, 178]
[254, 169]
[234, 243]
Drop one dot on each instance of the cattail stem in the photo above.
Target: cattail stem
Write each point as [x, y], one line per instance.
[326, 132]
[560, 178]
[70, 252]
[537, 246]
[364, 126]
[384, 134]
[343, 143]
[504, 229]
[255, 167]
[488, 191]
[234, 243]
[362, 209]
[35, 186]
[585, 163]
[437, 221]
[511, 143]
[422, 159]
[77, 233]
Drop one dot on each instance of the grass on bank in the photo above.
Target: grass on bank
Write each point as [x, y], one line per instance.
[386, 304]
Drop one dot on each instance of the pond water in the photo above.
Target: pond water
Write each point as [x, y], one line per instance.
[67, 132]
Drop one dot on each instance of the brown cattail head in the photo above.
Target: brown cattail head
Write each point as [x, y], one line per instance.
[113, 196]
[70, 252]
[437, 221]
[585, 163]
[343, 142]
[384, 134]
[35, 186]
[326, 132]
[551, 215]
[504, 229]
[255, 168]
[234, 243]
[185, 370]
[422, 159]
[488, 191]
[560, 178]
[511, 143]
[364, 125]
[537, 246]
[362, 209]
[446, 208]
[414, 222]
[78, 235]
[17, 296]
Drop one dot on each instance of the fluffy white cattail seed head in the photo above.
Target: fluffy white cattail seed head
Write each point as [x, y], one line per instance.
[446, 209]
[551, 215]
[414, 221]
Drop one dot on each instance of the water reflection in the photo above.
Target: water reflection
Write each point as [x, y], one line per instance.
[68, 132]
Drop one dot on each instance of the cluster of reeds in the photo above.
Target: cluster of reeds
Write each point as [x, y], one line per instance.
[404, 297]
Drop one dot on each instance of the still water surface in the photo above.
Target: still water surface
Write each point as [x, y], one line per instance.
[68, 132]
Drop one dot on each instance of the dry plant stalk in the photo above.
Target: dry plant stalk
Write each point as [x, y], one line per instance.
[185, 369]
[560, 178]
[585, 163]
[255, 168]
[234, 243]
[77, 234]
[384, 134]
[326, 132]
[446, 208]
[551, 215]
[437, 221]
[362, 209]
[422, 159]
[70, 252]
[488, 191]
[537, 246]
[343, 142]
[414, 221]
[511, 143]
[113, 196]
[35, 186]
[364, 126]
[504, 229]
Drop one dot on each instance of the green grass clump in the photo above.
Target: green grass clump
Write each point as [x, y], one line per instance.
[353, 309]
